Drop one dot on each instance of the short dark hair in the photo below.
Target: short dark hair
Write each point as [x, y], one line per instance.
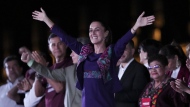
[170, 51]
[11, 58]
[131, 43]
[52, 35]
[160, 58]
[150, 46]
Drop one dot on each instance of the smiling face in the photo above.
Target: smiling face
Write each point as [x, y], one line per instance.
[97, 33]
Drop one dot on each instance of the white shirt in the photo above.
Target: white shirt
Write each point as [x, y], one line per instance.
[30, 99]
[5, 101]
[175, 72]
[122, 69]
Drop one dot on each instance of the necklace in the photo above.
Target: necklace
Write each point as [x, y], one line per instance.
[154, 89]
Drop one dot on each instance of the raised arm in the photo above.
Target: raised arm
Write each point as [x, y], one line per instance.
[56, 74]
[122, 42]
[71, 42]
[142, 21]
[41, 16]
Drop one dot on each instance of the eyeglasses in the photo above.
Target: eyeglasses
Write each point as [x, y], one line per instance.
[154, 67]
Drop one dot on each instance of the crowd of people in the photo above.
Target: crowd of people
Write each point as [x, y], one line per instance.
[98, 73]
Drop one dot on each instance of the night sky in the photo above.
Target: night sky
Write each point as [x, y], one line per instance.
[74, 16]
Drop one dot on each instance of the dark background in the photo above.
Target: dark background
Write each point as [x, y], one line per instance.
[74, 16]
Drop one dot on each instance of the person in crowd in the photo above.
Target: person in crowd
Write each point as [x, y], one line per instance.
[133, 77]
[54, 90]
[36, 85]
[96, 67]
[179, 48]
[159, 93]
[188, 51]
[147, 48]
[73, 95]
[181, 85]
[177, 66]
[27, 83]
[13, 68]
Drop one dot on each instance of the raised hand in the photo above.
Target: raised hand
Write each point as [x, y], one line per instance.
[39, 58]
[41, 16]
[37, 15]
[143, 21]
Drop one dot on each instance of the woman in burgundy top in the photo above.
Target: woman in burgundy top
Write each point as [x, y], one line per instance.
[159, 93]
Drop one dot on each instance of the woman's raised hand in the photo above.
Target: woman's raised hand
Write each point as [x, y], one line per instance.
[41, 16]
[143, 21]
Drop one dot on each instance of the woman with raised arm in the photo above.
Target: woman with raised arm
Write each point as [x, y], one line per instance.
[96, 73]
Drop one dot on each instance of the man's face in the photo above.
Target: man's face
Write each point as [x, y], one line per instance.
[127, 54]
[57, 47]
[13, 70]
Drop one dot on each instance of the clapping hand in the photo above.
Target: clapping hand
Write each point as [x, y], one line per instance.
[179, 85]
[25, 85]
[39, 58]
[173, 85]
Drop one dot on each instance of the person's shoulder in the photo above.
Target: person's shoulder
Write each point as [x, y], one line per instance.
[139, 68]
[71, 67]
[184, 68]
[139, 64]
[3, 85]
